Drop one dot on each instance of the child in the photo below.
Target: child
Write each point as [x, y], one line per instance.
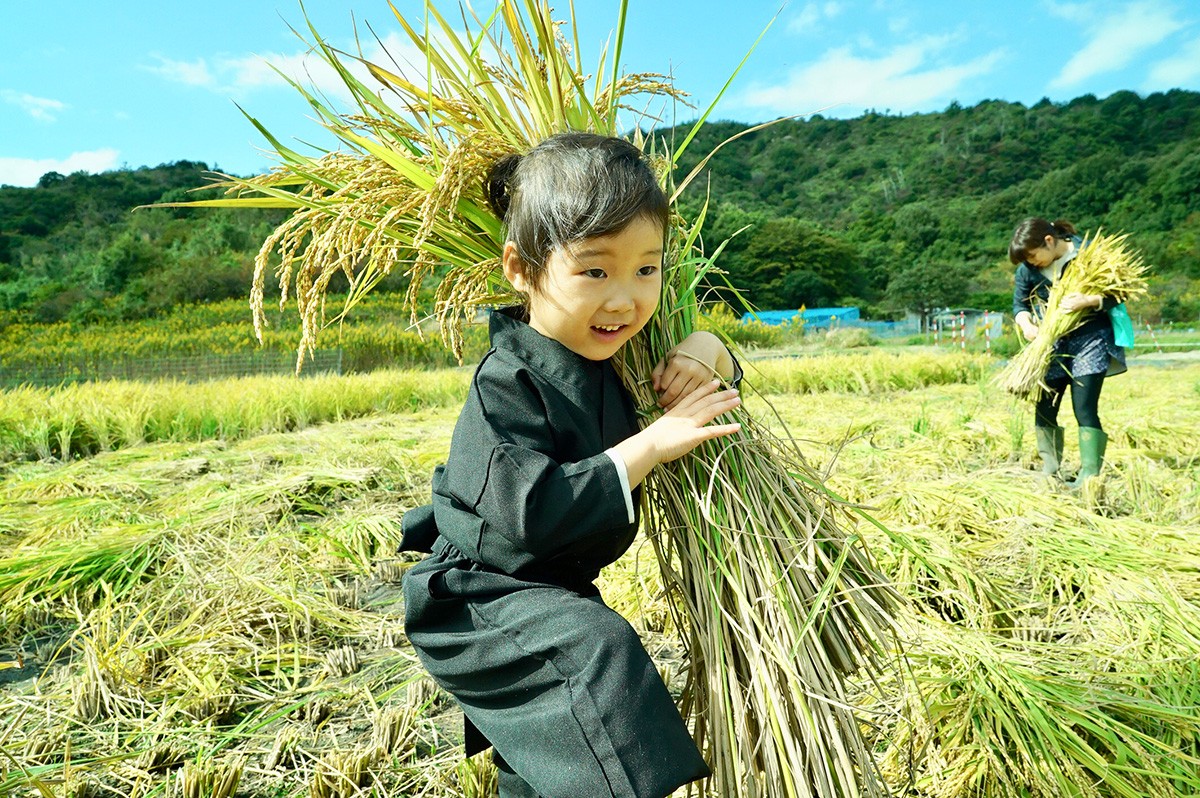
[541, 488]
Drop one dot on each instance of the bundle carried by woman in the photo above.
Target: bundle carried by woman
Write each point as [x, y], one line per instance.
[1106, 265]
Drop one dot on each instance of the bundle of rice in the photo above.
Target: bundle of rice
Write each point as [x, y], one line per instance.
[780, 600]
[1106, 266]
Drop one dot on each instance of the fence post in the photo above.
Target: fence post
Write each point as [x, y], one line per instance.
[962, 326]
[1153, 337]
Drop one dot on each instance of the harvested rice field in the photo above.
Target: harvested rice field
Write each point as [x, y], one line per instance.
[199, 592]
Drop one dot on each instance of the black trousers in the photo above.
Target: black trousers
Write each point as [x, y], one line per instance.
[511, 785]
[556, 681]
[1085, 401]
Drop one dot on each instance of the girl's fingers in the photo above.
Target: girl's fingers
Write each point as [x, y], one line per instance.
[704, 405]
[669, 390]
[656, 374]
[721, 430]
[679, 385]
[697, 394]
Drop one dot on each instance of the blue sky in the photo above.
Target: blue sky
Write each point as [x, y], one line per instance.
[101, 85]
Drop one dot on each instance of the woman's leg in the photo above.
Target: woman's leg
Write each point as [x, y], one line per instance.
[1047, 433]
[1085, 400]
[1045, 412]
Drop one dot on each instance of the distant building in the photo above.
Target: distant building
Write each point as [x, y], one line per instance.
[822, 320]
[813, 318]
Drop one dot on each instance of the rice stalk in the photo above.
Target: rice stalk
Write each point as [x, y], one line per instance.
[476, 777]
[342, 661]
[1107, 266]
[1017, 721]
[408, 193]
[782, 603]
[110, 562]
[342, 774]
[393, 730]
[209, 779]
[285, 752]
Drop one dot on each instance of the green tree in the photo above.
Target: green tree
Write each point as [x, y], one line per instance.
[927, 285]
[832, 263]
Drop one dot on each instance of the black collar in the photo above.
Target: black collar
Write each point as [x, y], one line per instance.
[510, 331]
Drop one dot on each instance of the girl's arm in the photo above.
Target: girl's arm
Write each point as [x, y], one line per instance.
[693, 363]
[681, 429]
[506, 498]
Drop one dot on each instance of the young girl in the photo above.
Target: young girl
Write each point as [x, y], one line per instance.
[1082, 358]
[541, 488]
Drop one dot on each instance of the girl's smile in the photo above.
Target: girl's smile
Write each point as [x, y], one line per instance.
[597, 293]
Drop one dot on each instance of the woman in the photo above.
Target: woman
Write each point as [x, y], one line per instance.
[1082, 358]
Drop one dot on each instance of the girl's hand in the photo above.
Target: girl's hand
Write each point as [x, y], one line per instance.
[681, 429]
[1028, 329]
[693, 363]
[1078, 301]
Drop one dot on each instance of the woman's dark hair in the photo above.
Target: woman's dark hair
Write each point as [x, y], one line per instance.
[570, 187]
[1031, 234]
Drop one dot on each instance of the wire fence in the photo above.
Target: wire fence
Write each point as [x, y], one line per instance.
[187, 368]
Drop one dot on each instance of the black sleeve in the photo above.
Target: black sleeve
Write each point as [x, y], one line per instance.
[504, 467]
[736, 380]
[1023, 291]
[418, 530]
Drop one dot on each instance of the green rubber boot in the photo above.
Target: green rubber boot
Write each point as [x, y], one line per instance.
[1050, 447]
[1092, 443]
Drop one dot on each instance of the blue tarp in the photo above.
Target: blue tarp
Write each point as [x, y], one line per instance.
[814, 318]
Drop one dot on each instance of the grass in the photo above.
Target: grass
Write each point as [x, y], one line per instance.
[83, 419]
[173, 610]
[376, 336]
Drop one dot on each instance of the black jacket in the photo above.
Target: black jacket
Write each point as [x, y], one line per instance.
[503, 613]
[527, 489]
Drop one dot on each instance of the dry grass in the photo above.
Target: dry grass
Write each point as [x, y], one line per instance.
[1052, 636]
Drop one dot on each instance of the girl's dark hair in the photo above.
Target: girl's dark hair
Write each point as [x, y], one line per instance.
[570, 187]
[1031, 234]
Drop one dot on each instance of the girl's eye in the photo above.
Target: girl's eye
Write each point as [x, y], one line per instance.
[595, 273]
[647, 271]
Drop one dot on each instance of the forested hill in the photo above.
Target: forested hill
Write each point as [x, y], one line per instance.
[887, 212]
[912, 210]
[73, 247]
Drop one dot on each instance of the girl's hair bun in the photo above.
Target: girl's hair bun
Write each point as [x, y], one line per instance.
[496, 185]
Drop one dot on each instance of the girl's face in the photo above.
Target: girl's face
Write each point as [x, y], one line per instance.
[1052, 250]
[596, 294]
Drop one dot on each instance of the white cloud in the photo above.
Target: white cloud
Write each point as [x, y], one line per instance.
[812, 15]
[906, 79]
[1078, 13]
[239, 76]
[1179, 71]
[40, 108]
[189, 73]
[1114, 41]
[27, 171]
